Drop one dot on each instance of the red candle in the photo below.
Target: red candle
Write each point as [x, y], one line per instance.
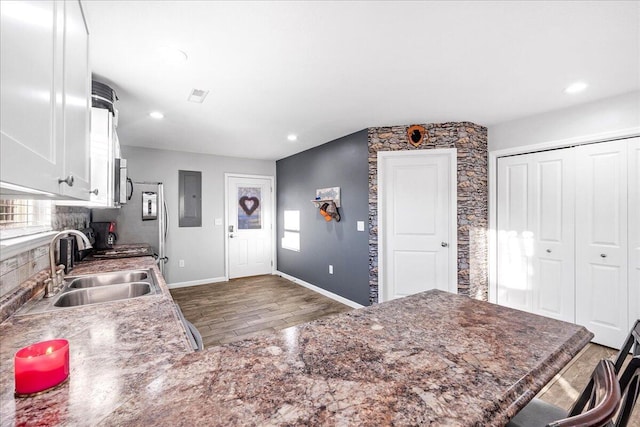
[41, 366]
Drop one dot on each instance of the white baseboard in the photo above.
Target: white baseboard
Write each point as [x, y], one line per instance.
[314, 288]
[196, 282]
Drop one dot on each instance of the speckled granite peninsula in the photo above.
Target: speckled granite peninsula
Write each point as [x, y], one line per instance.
[429, 359]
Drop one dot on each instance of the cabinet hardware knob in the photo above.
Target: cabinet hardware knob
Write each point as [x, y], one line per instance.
[231, 236]
[603, 255]
[444, 244]
[94, 192]
[69, 181]
[548, 251]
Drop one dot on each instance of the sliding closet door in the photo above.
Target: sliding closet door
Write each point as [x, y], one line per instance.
[634, 230]
[536, 233]
[601, 241]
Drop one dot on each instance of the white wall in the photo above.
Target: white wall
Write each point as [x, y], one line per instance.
[606, 115]
[201, 248]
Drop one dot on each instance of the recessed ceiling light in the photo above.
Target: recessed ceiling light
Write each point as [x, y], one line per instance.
[156, 115]
[576, 87]
[292, 137]
[172, 54]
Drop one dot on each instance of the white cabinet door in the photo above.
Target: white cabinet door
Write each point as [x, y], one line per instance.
[536, 233]
[634, 230]
[601, 241]
[29, 32]
[77, 95]
[102, 154]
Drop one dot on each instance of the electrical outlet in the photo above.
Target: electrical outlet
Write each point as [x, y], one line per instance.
[181, 263]
[330, 269]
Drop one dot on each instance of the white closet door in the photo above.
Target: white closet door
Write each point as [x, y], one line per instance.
[514, 233]
[536, 233]
[634, 230]
[601, 241]
[553, 269]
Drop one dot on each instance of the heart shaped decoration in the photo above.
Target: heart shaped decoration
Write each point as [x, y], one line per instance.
[249, 204]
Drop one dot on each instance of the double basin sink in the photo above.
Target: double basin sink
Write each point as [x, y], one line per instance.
[99, 288]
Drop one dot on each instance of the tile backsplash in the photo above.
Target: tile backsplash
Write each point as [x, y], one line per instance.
[17, 269]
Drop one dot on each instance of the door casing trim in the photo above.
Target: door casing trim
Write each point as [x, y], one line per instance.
[271, 179]
[452, 153]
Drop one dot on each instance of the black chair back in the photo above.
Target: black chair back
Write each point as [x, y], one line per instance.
[599, 401]
[630, 388]
[632, 343]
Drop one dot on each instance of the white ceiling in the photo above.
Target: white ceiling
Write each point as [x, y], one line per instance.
[325, 69]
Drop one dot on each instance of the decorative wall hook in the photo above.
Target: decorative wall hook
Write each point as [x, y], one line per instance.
[416, 135]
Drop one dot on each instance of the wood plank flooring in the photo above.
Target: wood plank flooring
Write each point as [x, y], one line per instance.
[565, 387]
[242, 308]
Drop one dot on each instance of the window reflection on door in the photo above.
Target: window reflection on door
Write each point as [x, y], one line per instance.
[249, 212]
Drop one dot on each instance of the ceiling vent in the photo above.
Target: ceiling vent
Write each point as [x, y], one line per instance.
[198, 95]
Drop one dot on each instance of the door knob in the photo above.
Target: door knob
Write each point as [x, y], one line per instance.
[444, 244]
[94, 192]
[69, 181]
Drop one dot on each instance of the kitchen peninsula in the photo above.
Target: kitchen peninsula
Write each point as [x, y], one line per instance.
[433, 357]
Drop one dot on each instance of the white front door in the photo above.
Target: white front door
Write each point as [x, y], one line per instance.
[249, 201]
[601, 241]
[417, 225]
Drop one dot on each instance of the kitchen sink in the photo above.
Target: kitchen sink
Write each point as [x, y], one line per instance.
[95, 295]
[106, 279]
[97, 288]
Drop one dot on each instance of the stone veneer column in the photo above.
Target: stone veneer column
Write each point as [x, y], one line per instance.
[471, 143]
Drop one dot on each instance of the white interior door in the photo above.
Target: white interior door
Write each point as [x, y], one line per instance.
[601, 243]
[536, 233]
[553, 260]
[417, 222]
[249, 203]
[515, 242]
[634, 230]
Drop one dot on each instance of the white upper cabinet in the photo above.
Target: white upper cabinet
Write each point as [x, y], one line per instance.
[77, 102]
[103, 148]
[44, 97]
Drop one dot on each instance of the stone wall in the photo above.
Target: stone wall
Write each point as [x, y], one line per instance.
[471, 142]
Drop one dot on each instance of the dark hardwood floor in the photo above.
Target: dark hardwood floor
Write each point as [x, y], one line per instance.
[242, 308]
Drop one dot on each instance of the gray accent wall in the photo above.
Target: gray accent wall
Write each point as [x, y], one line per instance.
[339, 163]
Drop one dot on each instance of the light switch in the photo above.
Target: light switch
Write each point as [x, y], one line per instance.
[360, 226]
[218, 221]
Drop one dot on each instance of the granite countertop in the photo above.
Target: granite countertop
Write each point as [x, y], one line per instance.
[430, 359]
[115, 348]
